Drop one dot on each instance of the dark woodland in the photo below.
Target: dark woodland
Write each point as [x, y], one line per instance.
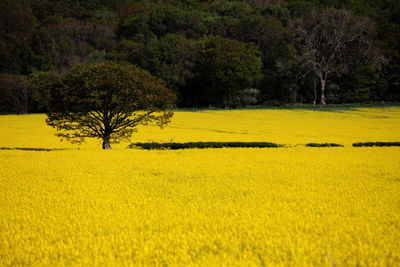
[210, 53]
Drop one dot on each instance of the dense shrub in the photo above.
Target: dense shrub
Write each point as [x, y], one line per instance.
[202, 145]
[324, 145]
[360, 144]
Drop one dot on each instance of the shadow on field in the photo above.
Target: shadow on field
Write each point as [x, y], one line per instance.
[31, 149]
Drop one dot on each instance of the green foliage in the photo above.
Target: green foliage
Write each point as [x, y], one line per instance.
[41, 86]
[298, 8]
[280, 12]
[156, 21]
[172, 58]
[236, 9]
[17, 30]
[166, 19]
[228, 66]
[14, 95]
[136, 28]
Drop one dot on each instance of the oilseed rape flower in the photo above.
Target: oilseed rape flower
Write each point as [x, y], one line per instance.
[295, 206]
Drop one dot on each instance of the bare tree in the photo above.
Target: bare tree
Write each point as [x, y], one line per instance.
[334, 41]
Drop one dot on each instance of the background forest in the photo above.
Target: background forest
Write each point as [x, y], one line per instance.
[210, 53]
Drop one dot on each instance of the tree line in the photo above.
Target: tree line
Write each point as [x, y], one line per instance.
[217, 53]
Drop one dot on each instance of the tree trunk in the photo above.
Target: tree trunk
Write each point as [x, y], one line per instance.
[323, 92]
[106, 142]
[227, 97]
[315, 92]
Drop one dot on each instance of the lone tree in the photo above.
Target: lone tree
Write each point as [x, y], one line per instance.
[334, 41]
[107, 101]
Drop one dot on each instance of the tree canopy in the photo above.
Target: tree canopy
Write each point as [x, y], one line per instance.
[228, 66]
[107, 101]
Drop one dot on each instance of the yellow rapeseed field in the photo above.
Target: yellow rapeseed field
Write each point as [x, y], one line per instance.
[293, 206]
